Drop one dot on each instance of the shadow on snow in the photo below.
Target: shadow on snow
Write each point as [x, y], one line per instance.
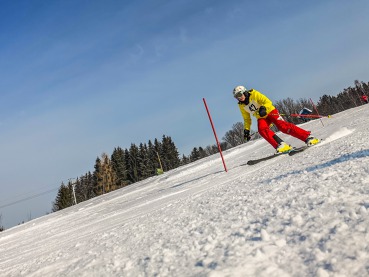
[343, 158]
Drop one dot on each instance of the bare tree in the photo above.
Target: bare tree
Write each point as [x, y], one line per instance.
[234, 136]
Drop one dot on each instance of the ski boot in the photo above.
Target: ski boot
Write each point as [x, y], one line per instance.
[310, 141]
[283, 148]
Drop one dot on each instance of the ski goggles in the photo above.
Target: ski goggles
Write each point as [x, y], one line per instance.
[238, 94]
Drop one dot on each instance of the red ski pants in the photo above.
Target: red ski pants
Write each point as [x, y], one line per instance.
[283, 126]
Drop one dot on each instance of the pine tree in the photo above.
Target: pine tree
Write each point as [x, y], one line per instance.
[98, 178]
[84, 187]
[171, 153]
[164, 153]
[79, 190]
[143, 162]
[194, 156]
[89, 183]
[127, 166]
[119, 166]
[185, 160]
[202, 153]
[153, 159]
[64, 198]
[1, 224]
[133, 162]
[174, 154]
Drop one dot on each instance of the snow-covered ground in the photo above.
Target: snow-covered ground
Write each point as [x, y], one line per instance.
[306, 215]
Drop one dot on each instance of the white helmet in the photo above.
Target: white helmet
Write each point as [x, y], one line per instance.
[238, 91]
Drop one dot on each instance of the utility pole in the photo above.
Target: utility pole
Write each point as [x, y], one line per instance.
[74, 192]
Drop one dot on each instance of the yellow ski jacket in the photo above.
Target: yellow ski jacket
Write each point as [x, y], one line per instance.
[256, 100]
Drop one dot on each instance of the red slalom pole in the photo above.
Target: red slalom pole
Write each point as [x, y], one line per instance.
[215, 134]
[316, 111]
[309, 115]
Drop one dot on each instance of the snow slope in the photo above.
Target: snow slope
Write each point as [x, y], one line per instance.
[306, 215]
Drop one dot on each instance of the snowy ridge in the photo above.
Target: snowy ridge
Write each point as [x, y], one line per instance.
[305, 215]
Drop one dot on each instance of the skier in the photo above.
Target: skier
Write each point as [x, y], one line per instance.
[253, 102]
[364, 98]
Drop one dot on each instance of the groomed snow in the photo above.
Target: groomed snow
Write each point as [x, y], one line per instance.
[306, 215]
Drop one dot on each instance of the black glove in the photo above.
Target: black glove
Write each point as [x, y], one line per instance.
[262, 111]
[246, 135]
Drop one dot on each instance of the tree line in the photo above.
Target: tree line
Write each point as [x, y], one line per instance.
[138, 162]
[122, 168]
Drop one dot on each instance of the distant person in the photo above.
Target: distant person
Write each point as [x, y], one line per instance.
[253, 102]
[364, 98]
[303, 113]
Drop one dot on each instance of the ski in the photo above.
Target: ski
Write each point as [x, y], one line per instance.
[252, 162]
[291, 153]
[297, 150]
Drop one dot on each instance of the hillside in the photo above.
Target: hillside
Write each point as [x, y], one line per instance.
[306, 215]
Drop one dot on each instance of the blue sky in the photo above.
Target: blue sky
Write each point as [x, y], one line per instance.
[79, 78]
